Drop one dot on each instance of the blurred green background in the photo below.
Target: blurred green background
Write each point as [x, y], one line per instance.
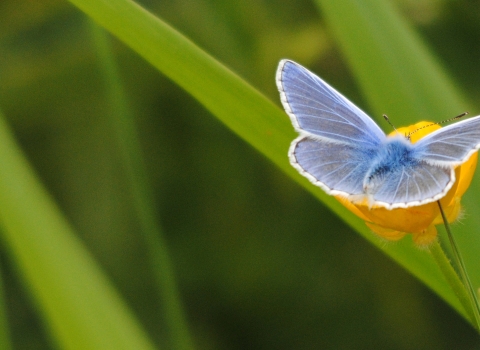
[260, 263]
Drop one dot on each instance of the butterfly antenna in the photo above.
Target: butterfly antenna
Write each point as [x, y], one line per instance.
[438, 123]
[389, 122]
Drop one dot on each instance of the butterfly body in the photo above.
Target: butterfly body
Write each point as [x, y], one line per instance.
[391, 157]
[343, 151]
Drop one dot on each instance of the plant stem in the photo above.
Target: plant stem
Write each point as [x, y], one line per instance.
[474, 305]
[452, 278]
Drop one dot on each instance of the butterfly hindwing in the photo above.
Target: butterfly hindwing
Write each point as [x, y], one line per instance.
[318, 110]
[338, 168]
[416, 184]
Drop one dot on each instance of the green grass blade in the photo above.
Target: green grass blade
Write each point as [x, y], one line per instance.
[216, 87]
[240, 107]
[123, 123]
[395, 70]
[80, 307]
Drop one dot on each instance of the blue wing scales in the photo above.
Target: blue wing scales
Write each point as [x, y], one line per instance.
[451, 145]
[416, 184]
[337, 168]
[318, 110]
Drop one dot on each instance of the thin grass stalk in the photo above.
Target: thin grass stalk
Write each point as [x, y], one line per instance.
[131, 155]
[5, 339]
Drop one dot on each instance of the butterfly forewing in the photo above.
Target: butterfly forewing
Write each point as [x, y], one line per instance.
[451, 145]
[318, 110]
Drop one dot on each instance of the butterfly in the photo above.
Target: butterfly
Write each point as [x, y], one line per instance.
[343, 151]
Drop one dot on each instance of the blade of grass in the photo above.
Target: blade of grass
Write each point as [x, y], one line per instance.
[239, 106]
[79, 305]
[122, 121]
[395, 70]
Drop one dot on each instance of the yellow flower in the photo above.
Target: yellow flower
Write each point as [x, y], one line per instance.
[419, 221]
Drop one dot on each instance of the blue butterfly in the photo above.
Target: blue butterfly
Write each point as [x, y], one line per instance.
[343, 151]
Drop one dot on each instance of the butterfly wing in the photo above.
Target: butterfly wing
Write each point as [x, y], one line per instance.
[451, 145]
[411, 184]
[336, 137]
[318, 110]
[337, 168]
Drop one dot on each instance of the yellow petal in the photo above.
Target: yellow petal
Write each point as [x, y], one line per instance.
[467, 170]
[413, 219]
[384, 232]
[419, 130]
[451, 212]
[349, 205]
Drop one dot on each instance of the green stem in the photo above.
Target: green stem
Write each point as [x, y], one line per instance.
[473, 301]
[452, 278]
[143, 201]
